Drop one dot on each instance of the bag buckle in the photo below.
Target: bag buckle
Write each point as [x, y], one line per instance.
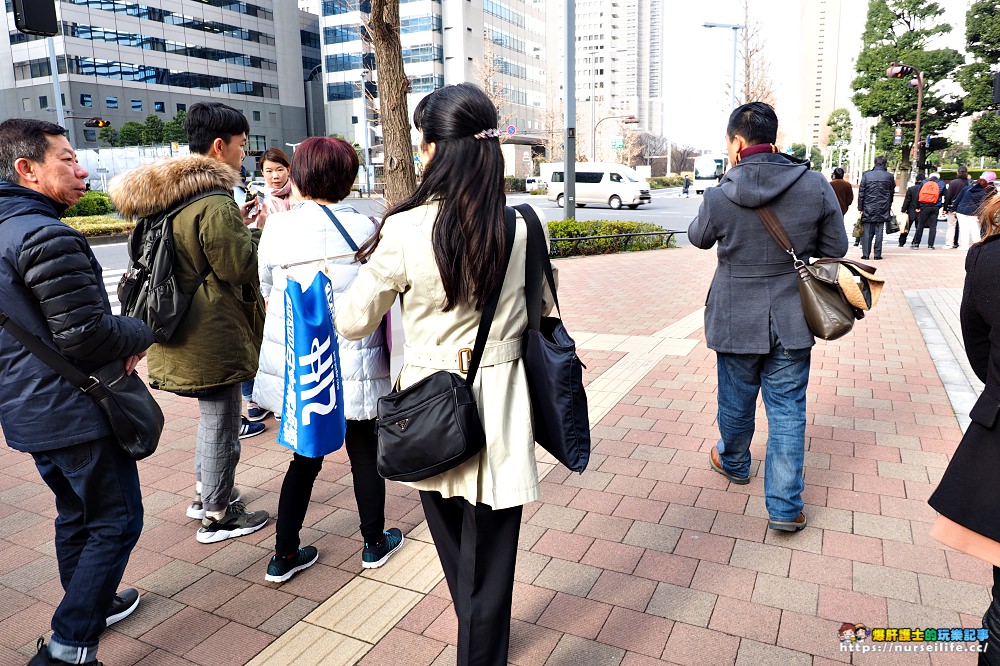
[464, 359]
[96, 383]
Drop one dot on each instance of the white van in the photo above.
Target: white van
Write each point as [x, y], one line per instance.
[601, 183]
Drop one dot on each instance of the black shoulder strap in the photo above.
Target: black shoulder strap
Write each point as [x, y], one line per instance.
[536, 262]
[135, 239]
[490, 308]
[47, 355]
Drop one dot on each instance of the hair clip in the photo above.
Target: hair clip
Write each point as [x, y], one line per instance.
[492, 133]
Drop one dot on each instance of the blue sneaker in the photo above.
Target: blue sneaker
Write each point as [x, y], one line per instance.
[281, 569]
[248, 429]
[377, 554]
[257, 413]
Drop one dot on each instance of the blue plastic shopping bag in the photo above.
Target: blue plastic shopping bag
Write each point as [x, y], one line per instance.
[312, 412]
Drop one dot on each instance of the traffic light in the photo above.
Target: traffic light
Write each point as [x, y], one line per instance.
[36, 17]
[97, 122]
[897, 71]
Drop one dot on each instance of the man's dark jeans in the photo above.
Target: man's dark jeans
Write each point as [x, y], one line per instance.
[872, 231]
[99, 519]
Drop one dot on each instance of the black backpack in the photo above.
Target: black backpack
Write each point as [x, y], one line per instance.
[149, 290]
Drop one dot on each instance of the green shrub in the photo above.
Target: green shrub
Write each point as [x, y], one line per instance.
[660, 182]
[573, 229]
[512, 184]
[100, 225]
[92, 203]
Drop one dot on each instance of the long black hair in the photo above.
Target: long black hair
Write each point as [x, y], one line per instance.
[465, 177]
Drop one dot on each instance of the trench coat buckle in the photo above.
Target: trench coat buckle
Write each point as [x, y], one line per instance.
[464, 359]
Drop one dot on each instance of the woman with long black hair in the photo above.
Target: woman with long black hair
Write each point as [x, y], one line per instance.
[443, 251]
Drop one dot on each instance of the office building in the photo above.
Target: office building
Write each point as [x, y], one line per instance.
[122, 60]
[498, 44]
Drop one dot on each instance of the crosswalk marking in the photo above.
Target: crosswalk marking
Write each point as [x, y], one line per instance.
[111, 278]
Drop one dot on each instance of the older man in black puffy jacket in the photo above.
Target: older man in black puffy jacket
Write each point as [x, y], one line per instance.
[875, 204]
[51, 285]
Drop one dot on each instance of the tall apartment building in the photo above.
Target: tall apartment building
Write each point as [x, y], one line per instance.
[619, 70]
[498, 44]
[826, 75]
[123, 60]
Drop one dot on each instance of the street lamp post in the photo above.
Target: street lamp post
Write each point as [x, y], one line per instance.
[735, 27]
[630, 119]
[364, 131]
[898, 70]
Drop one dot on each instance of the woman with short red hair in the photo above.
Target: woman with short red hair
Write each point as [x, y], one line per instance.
[317, 234]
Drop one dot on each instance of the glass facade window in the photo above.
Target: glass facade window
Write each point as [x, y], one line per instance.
[422, 84]
[341, 91]
[256, 143]
[420, 24]
[256, 116]
[86, 100]
[158, 15]
[343, 62]
[339, 34]
[182, 107]
[335, 7]
[310, 39]
[505, 39]
[43, 101]
[423, 53]
[135, 40]
[160, 107]
[503, 12]
[110, 102]
[90, 135]
[137, 105]
[308, 64]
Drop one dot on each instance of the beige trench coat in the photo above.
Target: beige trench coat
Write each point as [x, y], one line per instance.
[504, 474]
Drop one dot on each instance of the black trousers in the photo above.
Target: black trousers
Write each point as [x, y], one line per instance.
[369, 489]
[927, 218]
[477, 547]
[991, 620]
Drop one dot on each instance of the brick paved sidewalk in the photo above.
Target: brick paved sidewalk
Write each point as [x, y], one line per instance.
[647, 558]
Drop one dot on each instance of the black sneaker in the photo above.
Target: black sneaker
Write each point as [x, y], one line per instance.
[43, 658]
[237, 522]
[125, 602]
[375, 555]
[281, 568]
[197, 510]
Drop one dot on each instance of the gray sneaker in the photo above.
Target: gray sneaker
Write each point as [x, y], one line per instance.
[237, 522]
[197, 510]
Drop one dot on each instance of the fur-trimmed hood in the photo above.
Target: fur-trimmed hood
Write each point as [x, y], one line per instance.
[148, 189]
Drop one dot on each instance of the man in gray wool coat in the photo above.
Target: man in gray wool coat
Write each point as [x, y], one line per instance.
[753, 316]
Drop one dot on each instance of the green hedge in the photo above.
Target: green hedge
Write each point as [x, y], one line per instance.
[100, 225]
[92, 203]
[950, 174]
[572, 228]
[512, 184]
[660, 182]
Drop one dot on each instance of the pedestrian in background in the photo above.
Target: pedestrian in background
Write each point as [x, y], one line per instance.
[967, 206]
[928, 205]
[686, 190]
[955, 187]
[276, 197]
[910, 208]
[968, 495]
[875, 205]
[297, 243]
[217, 344]
[753, 317]
[843, 189]
[52, 285]
[444, 248]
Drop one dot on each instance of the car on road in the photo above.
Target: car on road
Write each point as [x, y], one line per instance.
[601, 183]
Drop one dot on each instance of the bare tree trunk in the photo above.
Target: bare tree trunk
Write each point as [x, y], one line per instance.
[400, 180]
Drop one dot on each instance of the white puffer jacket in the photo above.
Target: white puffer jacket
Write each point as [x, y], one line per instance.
[306, 234]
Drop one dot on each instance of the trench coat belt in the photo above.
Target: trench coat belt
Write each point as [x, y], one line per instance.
[446, 357]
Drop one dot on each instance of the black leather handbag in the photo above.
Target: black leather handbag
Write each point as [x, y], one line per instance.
[559, 415]
[134, 415]
[433, 425]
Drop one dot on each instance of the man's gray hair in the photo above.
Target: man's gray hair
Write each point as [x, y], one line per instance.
[24, 138]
